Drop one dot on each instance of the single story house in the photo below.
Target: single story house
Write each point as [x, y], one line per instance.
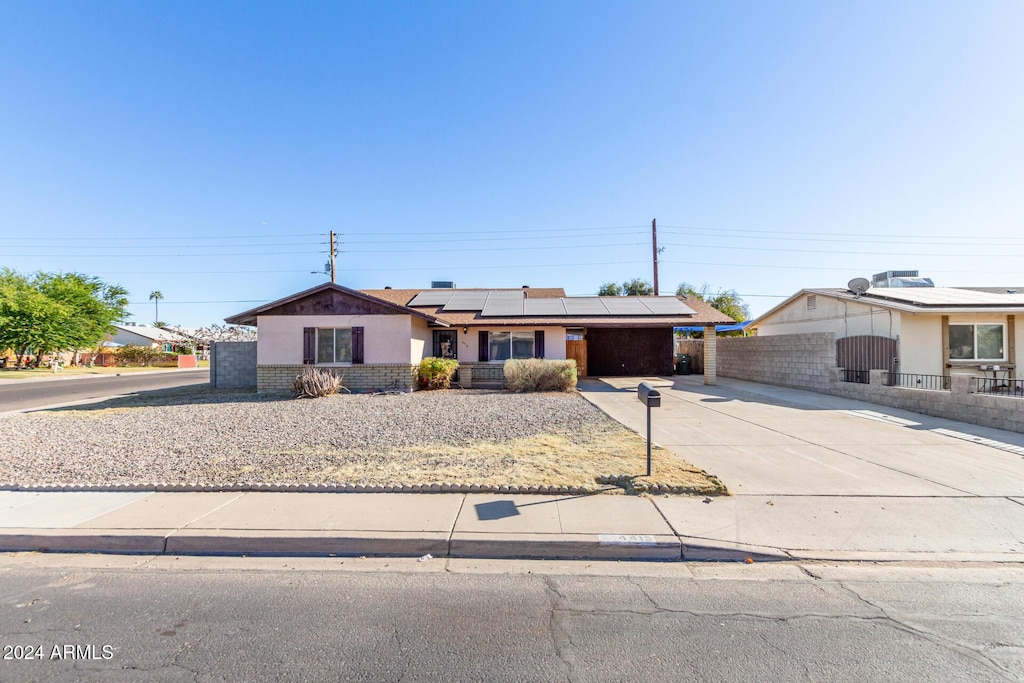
[376, 338]
[919, 330]
[145, 335]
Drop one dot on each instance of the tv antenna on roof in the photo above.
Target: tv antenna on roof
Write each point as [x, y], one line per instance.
[858, 285]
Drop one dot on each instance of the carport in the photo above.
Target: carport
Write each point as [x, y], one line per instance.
[630, 351]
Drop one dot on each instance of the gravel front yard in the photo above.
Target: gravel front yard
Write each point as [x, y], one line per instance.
[218, 438]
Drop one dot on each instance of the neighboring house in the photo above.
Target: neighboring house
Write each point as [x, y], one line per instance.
[930, 330]
[376, 338]
[145, 335]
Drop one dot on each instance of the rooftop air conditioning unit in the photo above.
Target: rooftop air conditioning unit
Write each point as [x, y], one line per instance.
[442, 284]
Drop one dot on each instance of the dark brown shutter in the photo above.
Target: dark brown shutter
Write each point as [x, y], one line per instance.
[308, 345]
[357, 345]
[538, 344]
[483, 347]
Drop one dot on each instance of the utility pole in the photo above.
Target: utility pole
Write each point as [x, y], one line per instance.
[654, 244]
[332, 256]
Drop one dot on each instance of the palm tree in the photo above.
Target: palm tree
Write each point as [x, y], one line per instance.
[155, 297]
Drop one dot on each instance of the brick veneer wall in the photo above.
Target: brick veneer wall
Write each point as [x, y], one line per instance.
[792, 360]
[484, 374]
[233, 365]
[273, 378]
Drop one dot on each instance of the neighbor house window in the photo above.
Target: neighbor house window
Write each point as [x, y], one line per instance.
[976, 342]
[504, 345]
[334, 345]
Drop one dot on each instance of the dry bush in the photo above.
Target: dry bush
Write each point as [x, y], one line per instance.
[315, 382]
[536, 374]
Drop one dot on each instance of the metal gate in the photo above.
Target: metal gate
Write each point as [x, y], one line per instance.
[858, 355]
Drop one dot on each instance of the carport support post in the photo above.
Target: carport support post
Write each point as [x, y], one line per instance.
[710, 354]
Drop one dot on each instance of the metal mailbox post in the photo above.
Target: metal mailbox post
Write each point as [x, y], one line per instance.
[651, 398]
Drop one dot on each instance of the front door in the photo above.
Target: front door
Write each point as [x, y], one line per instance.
[446, 344]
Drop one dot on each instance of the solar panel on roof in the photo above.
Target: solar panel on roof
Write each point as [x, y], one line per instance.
[431, 298]
[584, 305]
[466, 301]
[624, 305]
[543, 307]
[666, 305]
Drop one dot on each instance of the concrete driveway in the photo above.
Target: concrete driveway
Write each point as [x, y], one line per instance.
[811, 473]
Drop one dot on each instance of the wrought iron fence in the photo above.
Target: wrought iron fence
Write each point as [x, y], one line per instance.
[1000, 387]
[857, 376]
[912, 381]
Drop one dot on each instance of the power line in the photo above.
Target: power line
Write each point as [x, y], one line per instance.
[797, 232]
[252, 253]
[931, 240]
[177, 246]
[844, 253]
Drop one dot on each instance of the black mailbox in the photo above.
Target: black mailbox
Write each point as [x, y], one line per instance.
[648, 395]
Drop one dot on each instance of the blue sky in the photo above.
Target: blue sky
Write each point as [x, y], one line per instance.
[205, 149]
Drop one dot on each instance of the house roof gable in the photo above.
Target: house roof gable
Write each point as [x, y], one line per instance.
[330, 299]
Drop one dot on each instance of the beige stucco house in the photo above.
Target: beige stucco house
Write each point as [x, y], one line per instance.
[936, 330]
[376, 338]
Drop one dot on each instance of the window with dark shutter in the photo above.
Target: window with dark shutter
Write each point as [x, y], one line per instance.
[483, 347]
[538, 344]
[357, 345]
[308, 345]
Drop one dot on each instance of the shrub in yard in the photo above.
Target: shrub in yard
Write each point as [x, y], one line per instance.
[437, 373]
[315, 382]
[536, 374]
[141, 355]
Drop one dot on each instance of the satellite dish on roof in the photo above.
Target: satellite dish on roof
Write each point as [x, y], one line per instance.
[858, 285]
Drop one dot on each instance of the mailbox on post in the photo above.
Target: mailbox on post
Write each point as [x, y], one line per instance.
[651, 398]
[648, 395]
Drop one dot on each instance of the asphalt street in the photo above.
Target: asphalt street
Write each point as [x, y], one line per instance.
[235, 619]
[24, 395]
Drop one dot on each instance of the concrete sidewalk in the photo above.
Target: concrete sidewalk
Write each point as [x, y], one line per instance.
[605, 527]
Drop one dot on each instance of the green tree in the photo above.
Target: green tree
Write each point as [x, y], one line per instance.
[637, 287]
[155, 297]
[725, 300]
[51, 312]
[634, 287]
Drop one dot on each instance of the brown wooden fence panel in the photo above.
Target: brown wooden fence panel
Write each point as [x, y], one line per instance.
[866, 352]
[577, 349]
[694, 347]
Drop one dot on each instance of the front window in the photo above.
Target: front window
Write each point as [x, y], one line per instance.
[976, 342]
[334, 345]
[504, 345]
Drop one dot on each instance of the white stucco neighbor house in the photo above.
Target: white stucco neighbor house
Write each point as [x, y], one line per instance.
[145, 335]
[934, 330]
[376, 338]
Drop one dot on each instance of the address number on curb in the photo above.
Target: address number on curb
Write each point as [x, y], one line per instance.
[626, 539]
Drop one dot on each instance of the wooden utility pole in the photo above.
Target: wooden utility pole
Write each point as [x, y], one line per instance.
[332, 256]
[654, 244]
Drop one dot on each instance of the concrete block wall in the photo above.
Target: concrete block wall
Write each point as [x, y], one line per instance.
[959, 403]
[794, 360]
[233, 365]
[277, 378]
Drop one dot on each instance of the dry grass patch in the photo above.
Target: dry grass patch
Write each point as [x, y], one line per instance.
[607, 453]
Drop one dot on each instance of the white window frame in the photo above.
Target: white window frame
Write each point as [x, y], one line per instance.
[974, 330]
[335, 330]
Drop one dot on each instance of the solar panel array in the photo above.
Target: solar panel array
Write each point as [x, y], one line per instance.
[503, 304]
[543, 307]
[432, 298]
[467, 301]
[513, 304]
